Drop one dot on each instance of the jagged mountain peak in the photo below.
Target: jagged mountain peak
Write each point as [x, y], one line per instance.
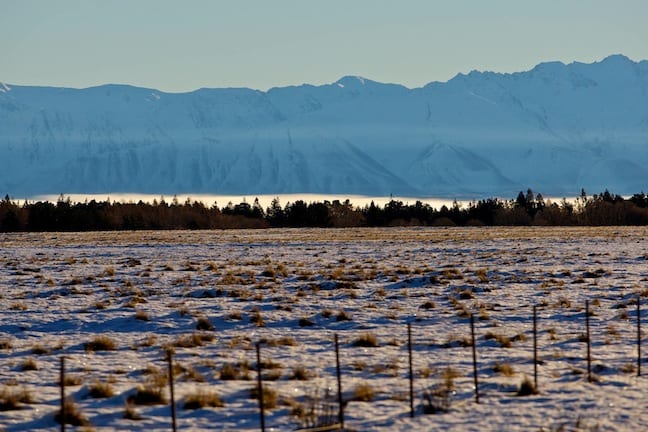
[618, 59]
[354, 81]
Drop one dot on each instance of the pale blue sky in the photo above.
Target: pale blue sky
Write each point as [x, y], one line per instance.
[184, 45]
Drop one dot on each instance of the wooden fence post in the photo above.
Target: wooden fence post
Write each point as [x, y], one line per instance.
[339, 383]
[171, 390]
[260, 386]
[62, 384]
[474, 355]
[535, 347]
[639, 335]
[411, 370]
[588, 339]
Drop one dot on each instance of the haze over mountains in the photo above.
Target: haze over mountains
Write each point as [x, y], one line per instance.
[556, 129]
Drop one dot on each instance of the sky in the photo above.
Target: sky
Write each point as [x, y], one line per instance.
[179, 46]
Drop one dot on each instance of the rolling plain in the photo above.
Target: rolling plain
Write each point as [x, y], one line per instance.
[115, 303]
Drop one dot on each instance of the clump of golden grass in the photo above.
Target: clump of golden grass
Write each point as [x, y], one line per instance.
[72, 380]
[257, 319]
[204, 324]
[343, 315]
[100, 343]
[142, 315]
[305, 322]
[202, 399]
[236, 371]
[39, 349]
[363, 392]
[99, 390]
[367, 340]
[527, 388]
[270, 396]
[438, 397]
[193, 340]
[505, 369]
[29, 365]
[281, 341]
[149, 394]
[148, 341]
[11, 399]
[300, 373]
[73, 415]
[130, 413]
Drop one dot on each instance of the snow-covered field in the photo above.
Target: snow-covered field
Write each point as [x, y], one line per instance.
[294, 289]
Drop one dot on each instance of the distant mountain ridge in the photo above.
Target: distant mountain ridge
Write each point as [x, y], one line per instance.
[556, 128]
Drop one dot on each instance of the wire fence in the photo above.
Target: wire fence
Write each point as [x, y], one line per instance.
[421, 395]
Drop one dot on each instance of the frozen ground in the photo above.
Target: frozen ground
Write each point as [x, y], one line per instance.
[148, 291]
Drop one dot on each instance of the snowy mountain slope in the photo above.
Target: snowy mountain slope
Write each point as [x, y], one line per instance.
[556, 128]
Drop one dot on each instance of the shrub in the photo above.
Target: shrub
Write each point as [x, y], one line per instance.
[12, 399]
[29, 365]
[149, 395]
[72, 380]
[306, 322]
[270, 364]
[343, 315]
[236, 315]
[483, 314]
[193, 340]
[273, 375]
[282, 341]
[503, 341]
[39, 349]
[73, 416]
[229, 372]
[504, 368]
[202, 399]
[527, 388]
[367, 340]
[429, 304]
[204, 324]
[192, 374]
[388, 367]
[629, 368]
[142, 315]
[270, 396]
[363, 392]
[438, 398]
[99, 390]
[257, 319]
[300, 373]
[101, 343]
[457, 341]
[130, 413]
[148, 341]
[482, 275]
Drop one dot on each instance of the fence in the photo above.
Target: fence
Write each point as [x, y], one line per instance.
[433, 399]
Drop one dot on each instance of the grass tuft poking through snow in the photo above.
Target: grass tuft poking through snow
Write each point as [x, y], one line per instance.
[364, 285]
[101, 343]
[202, 399]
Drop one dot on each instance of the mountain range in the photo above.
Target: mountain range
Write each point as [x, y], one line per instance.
[556, 129]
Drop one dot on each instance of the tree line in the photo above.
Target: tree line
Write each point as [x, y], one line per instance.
[525, 210]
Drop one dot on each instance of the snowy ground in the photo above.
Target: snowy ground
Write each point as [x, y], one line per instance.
[147, 291]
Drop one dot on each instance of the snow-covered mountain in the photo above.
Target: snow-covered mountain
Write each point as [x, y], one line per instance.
[556, 129]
